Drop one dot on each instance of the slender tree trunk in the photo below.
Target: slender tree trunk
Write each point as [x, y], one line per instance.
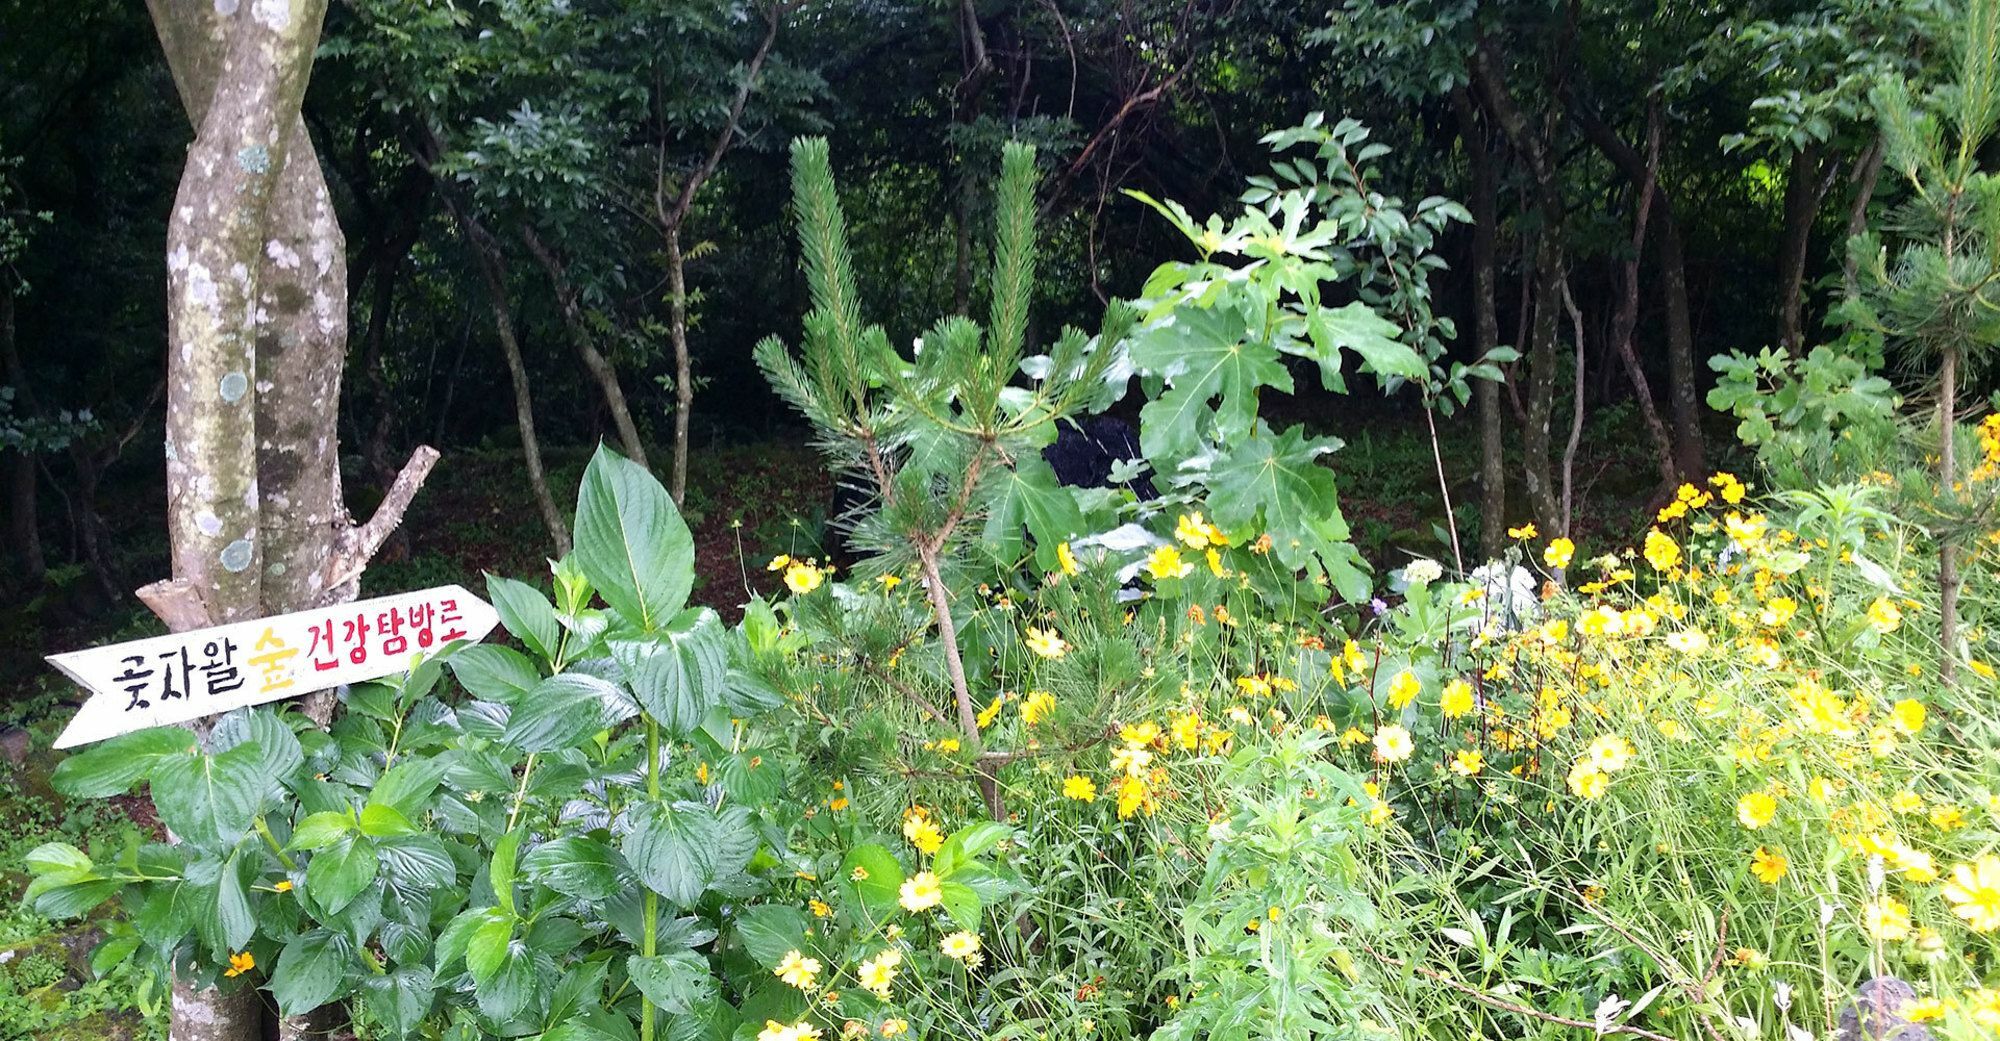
[1625, 320]
[683, 365]
[1948, 578]
[1485, 327]
[1683, 381]
[1575, 416]
[601, 371]
[1805, 186]
[23, 515]
[1867, 172]
[492, 264]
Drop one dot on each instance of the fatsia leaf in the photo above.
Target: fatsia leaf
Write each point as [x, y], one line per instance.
[631, 542]
[1206, 354]
[1030, 497]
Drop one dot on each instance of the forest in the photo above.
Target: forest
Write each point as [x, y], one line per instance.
[1000, 519]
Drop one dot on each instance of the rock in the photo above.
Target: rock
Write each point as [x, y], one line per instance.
[1877, 1013]
[14, 746]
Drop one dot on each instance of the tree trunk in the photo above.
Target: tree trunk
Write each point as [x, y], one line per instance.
[683, 365]
[492, 264]
[1485, 327]
[1867, 171]
[601, 371]
[1948, 580]
[1536, 438]
[23, 515]
[1803, 191]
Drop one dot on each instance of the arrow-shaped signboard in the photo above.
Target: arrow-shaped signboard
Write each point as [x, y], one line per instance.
[206, 672]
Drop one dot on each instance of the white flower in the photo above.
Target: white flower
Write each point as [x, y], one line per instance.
[1423, 572]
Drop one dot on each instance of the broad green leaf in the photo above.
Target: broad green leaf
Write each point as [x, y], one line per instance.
[580, 988]
[968, 844]
[770, 931]
[112, 953]
[399, 1000]
[232, 906]
[209, 800]
[56, 856]
[322, 829]
[311, 971]
[417, 862]
[675, 981]
[962, 903]
[502, 870]
[114, 766]
[495, 673]
[1206, 354]
[526, 613]
[631, 542]
[576, 866]
[876, 877]
[407, 786]
[487, 945]
[1276, 474]
[562, 711]
[673, 849]
[278, 752]
[1029, 497]
[1356, 327]
[338, 873]
[380, 821]
[677, 674]
[509, 989]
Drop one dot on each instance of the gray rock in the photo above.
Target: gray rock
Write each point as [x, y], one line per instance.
[1877, 1013]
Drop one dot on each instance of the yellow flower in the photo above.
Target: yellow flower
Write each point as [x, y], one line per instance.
[1066, 558]
[819, 908]
[1131, 760]
[1746, 532]
[894, 1027]
[1393, 744]
[1924, 1010]
[1609, 753]
[923, 833]
[990, 713]
[890, 582]
[1884, 615]
[1558, 553]
[1756, 809]
[1403, 689]
[1046, 643]
[240, 963]
[1196, 533]
[1037, 706]
[1166, 563]
[1186, 731]
[960, 945]
[1974, 893]
[1133, 796]
[1886, 919]
[1777, 611]
[284, 886]
[778, 563]
[1467, 762]
[803, 578]
[1215, 567]
[1688, 641]
[921, 892]
[1587, 781]
[799, 1031]
[1525, 531]
[1769, 865]
[1908, 715]
[798, 970]
[1080, 788]
[878, 973]
[1661, 550]
[1457, 699]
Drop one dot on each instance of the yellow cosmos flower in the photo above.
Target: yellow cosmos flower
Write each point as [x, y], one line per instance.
[284, 886]
[1467, 762]
[1403, 689]
[920, 892]
[1457, 699]
[779, 563]
[803, 578]
[1924, 1010]
[799, 1031]
[1769, 865]
[1688, 641]
[1166, 563]
[1756, 809]
[240, 963]
[1908, 715]
[1661, 550]
[890, 582]
[1884, 616]
[1886, 919]
[1080, 788]
[878, 974]
[1525, 531]
[1974, 893]
[798, 970]
[1587, 781]
[1393, 744]
[1609, 753]
[1196, 533]
[895, 1027]
[923, 833]
[960, 945]
[1066, 558]
[1215, 565]
[1037, 706]
[1558, 552]
[1046, 643]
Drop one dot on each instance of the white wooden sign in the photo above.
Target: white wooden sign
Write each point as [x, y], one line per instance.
[206, 672]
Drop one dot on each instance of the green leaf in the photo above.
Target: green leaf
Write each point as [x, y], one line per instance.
[381, 821]
[562, 711]
[311, 971]
[399, 1001]
[967, 844]
[631, 542]
[881, 881]
[501, 871]
[338, 873]
[1029, 496]
[580, 988]
[113, 767]
[416, 862]
[278, 753]
[526, 613]
[962, 903]
[209, 800]
[407, 786]
[771, 931]
[232, 906]
[56, 856]
[495, 673]
[675, 981]
[678, 673]
[673, 849]
[1205, 355]
[509, 989]
[486, 946]
[112, 953]
[1356, 327]
[322, 829]
[576, 866]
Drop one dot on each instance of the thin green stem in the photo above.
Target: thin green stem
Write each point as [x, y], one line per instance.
[521, 792]
[650, 941]
[272, 841]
